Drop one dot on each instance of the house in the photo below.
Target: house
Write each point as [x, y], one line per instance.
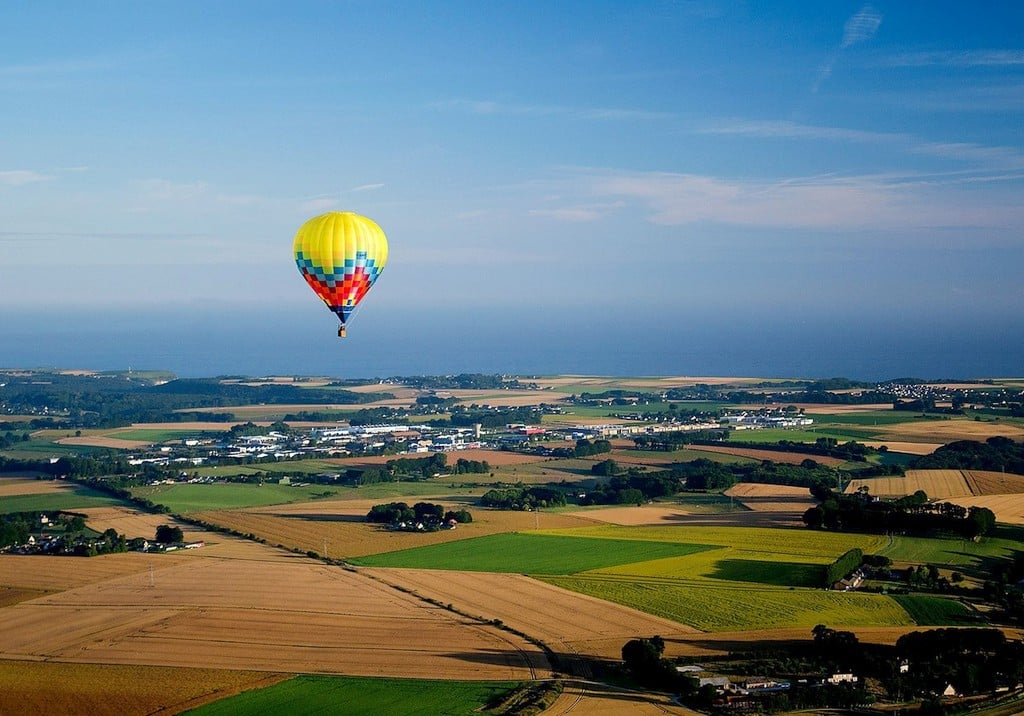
[950, 690]
[841, 679]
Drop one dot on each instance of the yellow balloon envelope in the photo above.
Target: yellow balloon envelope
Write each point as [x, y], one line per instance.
[341, 255]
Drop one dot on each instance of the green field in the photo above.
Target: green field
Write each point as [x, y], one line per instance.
[519, 553]
[684, 455]
[737, 606]
[77, 497]
[360, 695]
[927, 610]
[224, 496]
[962, 554]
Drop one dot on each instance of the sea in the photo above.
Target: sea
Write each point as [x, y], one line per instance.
[219, 342]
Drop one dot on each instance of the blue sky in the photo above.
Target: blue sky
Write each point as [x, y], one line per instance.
[688, 158]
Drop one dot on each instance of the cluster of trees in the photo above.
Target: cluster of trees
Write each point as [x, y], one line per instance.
[633, 488]
[9, 439]
[431, 515]
[16, 526]
[973, 660]
[671, 441]
[913, 514]
[169, 534]
[996, 453]
[844, 565]
[463, 466]
[462, 381]
[642, 659]
[523, 497]
[465, 417]
[586, 448]
[419, 467]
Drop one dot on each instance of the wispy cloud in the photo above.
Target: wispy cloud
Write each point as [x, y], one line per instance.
[978, 157]
[19, 177]
[491, 107]
[366, 187]
[865, 202]
[971, 58]
[860, 27]
[788, 129]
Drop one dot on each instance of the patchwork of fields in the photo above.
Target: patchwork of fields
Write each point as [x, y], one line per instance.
[137, 633]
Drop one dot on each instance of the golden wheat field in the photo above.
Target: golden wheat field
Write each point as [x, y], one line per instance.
[297, 616]
[771, 498]
[634, 515]
[568, 622]
[1007, 508]
[945, 431]
[937, 484]
[11, 486]
[106, 690]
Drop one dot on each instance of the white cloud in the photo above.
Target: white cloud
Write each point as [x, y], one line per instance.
[825, 203]
[19, 177]
[366, 187]
[861, 27]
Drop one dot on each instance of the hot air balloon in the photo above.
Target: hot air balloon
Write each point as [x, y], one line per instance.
[340, 254]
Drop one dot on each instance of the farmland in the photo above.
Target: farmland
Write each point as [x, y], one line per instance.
[396, 697]
[530, 553]
[440, 622]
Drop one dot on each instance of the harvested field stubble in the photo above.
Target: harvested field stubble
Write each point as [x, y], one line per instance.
[301, 616]
[570, 623]
[101, 690]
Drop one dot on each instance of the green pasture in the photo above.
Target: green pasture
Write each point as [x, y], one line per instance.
[75, 497]
[684, 455]
[735, 606]
[285, 467]
[225, 496]
[520, 553]
[309, 694]
[711, 503]
[774, 435]
[40, 449]
[927, 610]
[569, 470]
[961, 554]
[866, 419]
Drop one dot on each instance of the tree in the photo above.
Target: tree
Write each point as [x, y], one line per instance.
[168, 534]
